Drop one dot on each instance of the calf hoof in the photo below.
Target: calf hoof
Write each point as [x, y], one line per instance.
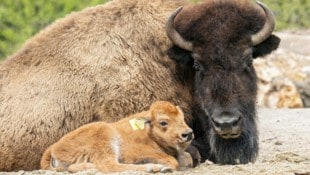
[154, 168]
[166, 170]
[195, 155]
[185, 161]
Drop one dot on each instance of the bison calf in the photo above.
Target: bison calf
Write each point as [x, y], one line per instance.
[148, 141]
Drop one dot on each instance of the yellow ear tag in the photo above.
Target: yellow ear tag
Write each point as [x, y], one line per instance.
[137, 123]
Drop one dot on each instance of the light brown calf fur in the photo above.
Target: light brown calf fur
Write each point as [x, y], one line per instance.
[118, 147]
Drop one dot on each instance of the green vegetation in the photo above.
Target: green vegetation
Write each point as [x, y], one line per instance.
[21, 19]
[290, 14]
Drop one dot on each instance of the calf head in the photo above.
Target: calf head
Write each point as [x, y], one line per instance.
[168, 127]
[220, 39]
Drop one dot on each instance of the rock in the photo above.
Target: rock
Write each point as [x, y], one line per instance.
[304, 89]
[284, 75]
[276, 87]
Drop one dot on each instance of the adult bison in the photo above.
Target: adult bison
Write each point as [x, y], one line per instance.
[110, 61]
[220, 39]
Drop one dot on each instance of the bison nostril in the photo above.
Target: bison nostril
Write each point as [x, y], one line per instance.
[216, 123]
[226, 121]
[236, 122]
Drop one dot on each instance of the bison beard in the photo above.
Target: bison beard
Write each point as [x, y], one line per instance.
[234, 151]
[242, 150]
[211, 146]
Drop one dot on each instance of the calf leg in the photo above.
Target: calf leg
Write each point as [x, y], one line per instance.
[185, 160]
[81, 167]
[194, 156]
[114, 166]
[154, 157]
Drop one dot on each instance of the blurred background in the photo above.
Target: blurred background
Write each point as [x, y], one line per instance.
[284, 76]
[20, 19]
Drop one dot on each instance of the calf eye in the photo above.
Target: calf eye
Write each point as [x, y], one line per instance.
[163, 123]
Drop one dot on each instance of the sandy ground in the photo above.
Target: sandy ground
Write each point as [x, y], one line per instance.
[284, 149]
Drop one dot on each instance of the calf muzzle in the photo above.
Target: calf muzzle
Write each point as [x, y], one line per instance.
[187, 136]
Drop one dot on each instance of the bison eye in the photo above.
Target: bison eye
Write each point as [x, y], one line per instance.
[163, 123]
[248, 64]
[196, 66]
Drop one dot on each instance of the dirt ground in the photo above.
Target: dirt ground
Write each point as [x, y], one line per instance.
[284, 149]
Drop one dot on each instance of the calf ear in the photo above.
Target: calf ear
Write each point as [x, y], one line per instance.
[180, 55]
[147, 121]
[266, 46]
[147, 118]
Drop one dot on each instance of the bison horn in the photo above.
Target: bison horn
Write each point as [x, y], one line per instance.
[174, 36]
[268, 27]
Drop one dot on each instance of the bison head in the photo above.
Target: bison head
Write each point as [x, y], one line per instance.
[220, 39]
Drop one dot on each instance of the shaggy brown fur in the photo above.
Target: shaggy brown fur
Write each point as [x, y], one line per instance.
[118, 146]
[102, 63]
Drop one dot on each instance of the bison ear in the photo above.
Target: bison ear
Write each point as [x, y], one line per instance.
[266, 46]
[180, 55]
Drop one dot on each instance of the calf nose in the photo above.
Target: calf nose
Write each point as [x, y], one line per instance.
[187, 135]
[227, 124]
